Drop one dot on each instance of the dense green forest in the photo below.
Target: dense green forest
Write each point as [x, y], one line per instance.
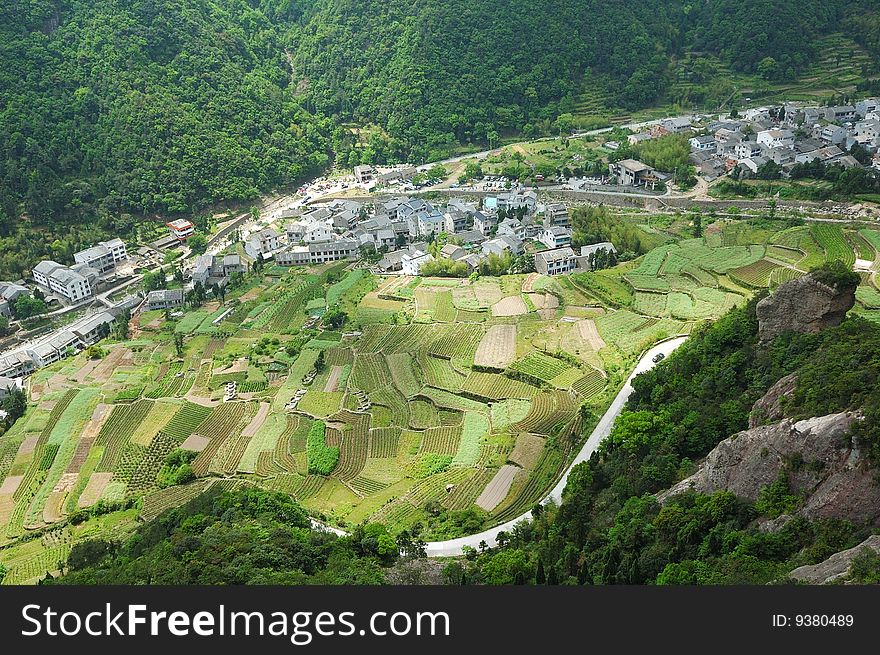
[610, 529]
[120, 107]
[237, 537]
[117, 110]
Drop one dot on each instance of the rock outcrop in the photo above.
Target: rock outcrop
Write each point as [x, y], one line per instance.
[803, 305]
[819, 460]
[835, 567]
[770, 407]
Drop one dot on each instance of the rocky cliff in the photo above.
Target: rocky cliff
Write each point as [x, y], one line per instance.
[816, 455]
[835, 567]
[804, 305]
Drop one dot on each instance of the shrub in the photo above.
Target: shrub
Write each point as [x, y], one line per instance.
[321, 457]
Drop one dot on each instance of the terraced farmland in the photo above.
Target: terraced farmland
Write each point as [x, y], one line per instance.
[405, 418]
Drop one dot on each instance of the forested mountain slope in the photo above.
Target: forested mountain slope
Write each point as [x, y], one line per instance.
[115, 106]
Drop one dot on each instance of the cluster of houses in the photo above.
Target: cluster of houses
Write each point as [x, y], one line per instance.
[75, 284]
[400, 228]
[787, 136]
[9, 293]
[25, 359]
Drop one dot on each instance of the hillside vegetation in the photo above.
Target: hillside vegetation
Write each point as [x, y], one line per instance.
[113, 108]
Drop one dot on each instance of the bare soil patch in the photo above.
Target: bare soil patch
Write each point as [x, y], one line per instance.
[238, 366]
[497, 488]
[195, 443]
[28, 445]
[257, 422]
[497, 348]
[52, 510]
[590, 334]
[510, 306]
[527, 450]
[528, 284]
[94, 489]
[333, 379]
[10, 484]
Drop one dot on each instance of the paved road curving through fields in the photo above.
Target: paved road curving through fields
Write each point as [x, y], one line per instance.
[454, 547]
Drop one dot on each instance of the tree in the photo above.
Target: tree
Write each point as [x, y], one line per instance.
[4, 326]
[14, 404]
[335, 318]
[768, 68]
[564, 124]
[197, 243]
[121, 326]
[28, 307]
[320, 364]
[178, 344]
[154, 280]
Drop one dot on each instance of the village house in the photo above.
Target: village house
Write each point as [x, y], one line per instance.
[364, 173]
[513, 227]
[639, 137]
[396, 175]
[104, 256]
[9, 293]
[517, 200]
[17, 364]
[630, 172]
[317, 253]
[484, 223]
[9, 385]
[165, 299]
[181, 229]
[556, 213]
[840, 113]
[262, 243]
[453, 252]
[747, 150]
[501, 245]
[676, 125]
[555, 262]
[776, 138]
[457, 220]
[72, 286]
[867, 106]
[706, 143]
[411, 264]
[555, 237]
[833, 134]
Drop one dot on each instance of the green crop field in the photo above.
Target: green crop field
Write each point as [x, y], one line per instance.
[377, 420]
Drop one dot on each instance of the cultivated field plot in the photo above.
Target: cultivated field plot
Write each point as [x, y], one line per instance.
[497, 348]
[434, 395]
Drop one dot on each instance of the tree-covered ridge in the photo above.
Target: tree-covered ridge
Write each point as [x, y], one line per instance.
[121, 106]
[439, 73]
[238, 537]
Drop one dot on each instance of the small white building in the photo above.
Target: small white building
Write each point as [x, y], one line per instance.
[411, 264]
[555, 237]
[104, 256]
[262, 243]
[165, 299]
[555, 262]
[181, 229]
[706, 143]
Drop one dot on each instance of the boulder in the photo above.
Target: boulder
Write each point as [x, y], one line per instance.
[803, 305]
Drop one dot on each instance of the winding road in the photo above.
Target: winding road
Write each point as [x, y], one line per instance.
[453, 547]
